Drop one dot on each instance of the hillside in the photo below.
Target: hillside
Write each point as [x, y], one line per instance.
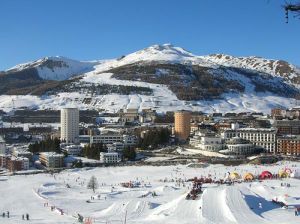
[54, 68]
[160, 76]
[273, 67]
[39, 77]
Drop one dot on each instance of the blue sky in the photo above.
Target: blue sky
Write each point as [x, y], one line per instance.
[100, 29]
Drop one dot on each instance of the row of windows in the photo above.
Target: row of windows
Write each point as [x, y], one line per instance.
[107, 138]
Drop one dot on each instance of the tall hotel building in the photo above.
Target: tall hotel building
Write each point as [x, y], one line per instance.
[69, 121]
[182, 124]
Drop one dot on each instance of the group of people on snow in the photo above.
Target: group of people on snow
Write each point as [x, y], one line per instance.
[7, 214]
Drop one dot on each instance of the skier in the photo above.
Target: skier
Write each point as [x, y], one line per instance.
[7, 213]
[23, 217]
[27, 216]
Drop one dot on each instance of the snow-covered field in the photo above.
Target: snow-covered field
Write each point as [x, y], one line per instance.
[240, 203]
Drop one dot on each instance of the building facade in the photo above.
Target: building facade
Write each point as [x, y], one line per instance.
[110, 137]
[52, 160]
[182, 125]
[207, 141]
[287, 127]
[239, 146]
[71, 149]
[128, 115]
[14, 164]
[109, 157]
[130, 140]
[115, 147]
[264, 138]
[288, 145]
[260, 137]
[106, 138]
[69, 120]
[147, 115]
[278, 113]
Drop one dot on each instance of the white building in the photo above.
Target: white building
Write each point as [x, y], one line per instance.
[116, 146]
[109, 157]
[130, 140]
[74, 150]
[239, 146]
[107, 138]
[228, 134]
[69, 120]
[207, 141]
[260, 137]
[52, 159]
[110, 137]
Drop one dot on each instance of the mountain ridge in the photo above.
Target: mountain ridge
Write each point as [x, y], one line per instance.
[164, 52]
[190, 78]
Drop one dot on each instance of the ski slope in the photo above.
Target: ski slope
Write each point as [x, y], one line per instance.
[161, 100]
[67, 191]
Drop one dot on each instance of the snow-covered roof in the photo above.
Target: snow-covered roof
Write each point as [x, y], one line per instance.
[51, 154]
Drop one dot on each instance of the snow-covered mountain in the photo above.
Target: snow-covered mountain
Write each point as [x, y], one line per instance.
[55, 68]
[170, 54]
[273, 67]
[156, 53]
[160, 76]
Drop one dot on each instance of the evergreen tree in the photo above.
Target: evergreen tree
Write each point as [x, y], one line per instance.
[154, 137]
[47, 145]
[92, 151]
[129, 153]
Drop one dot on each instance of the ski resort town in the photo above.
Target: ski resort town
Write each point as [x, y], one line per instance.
[190, 166]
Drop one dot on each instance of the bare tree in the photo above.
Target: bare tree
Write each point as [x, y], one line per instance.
[293, 8]
[93, 183]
